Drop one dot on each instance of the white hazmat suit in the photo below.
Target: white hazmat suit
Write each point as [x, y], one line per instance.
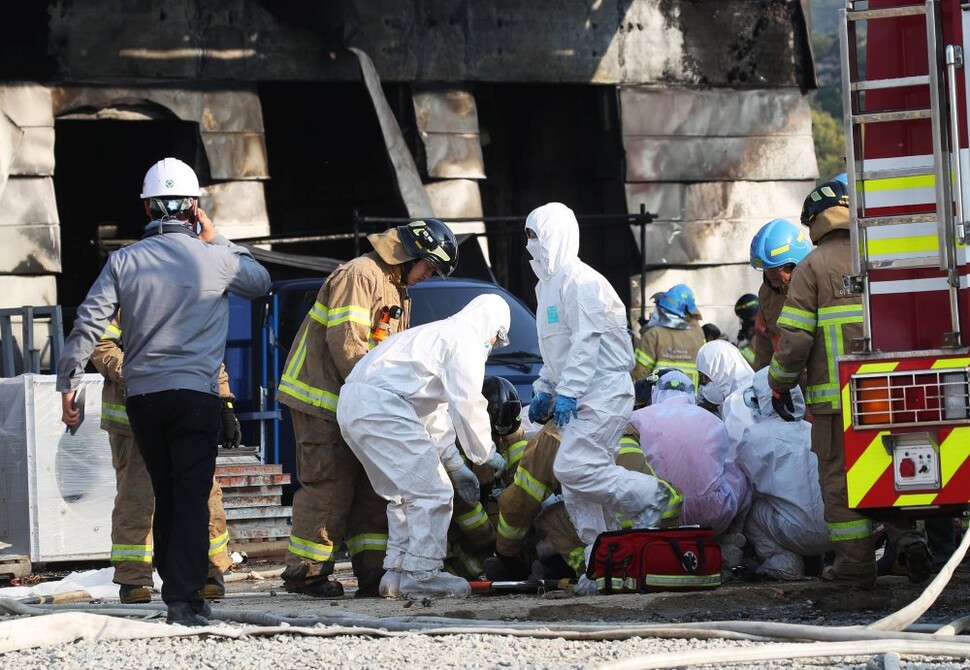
[386, 409]
[787, 516]
[730, 375]
[587, 355]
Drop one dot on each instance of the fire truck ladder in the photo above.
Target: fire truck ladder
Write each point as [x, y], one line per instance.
[946, 153]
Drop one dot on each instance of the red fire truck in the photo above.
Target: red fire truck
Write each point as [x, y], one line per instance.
[904, 386]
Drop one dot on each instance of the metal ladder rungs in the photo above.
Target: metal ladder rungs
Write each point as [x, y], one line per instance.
[896, 115]
[904, 263]
[898, 82]
[926, 170]
[885, 12]
[895, 219]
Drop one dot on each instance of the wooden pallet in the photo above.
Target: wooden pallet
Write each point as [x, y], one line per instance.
[14, 565]
[252, 495]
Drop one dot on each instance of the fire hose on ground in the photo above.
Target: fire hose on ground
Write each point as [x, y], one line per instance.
[891, 636]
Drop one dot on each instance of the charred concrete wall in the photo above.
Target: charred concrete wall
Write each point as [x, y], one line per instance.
[701, 117]
[714, 165]
[735, 43]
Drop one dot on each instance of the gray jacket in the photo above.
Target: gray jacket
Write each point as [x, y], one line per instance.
[171, 289]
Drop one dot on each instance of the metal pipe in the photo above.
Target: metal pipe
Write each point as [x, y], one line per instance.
[643, 266]
[954, 234]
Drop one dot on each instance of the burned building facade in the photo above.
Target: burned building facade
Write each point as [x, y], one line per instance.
[301, 116]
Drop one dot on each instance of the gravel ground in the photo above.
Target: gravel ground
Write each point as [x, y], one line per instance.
[809, 602]
[411, 652]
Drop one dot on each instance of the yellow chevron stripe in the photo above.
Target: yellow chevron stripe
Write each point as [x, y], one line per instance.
[915, 499]
[954, 451]
[869, 368]
[846, 410]
[944, 363]
[867, 470]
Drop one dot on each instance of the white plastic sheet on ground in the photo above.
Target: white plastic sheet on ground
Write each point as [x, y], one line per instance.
[95, 582]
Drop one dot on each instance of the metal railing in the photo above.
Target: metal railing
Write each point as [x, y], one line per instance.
[30, 355]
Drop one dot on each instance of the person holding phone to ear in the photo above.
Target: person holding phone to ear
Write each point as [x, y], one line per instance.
[171, 290]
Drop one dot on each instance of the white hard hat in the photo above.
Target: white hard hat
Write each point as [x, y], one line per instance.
[170, 178]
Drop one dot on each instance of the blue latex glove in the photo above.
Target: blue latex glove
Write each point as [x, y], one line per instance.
[565, 406]
[540, 407]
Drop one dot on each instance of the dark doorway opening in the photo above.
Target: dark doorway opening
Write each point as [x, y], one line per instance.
[97, 181]
[554, 143]
[24, 34]
[327, 159]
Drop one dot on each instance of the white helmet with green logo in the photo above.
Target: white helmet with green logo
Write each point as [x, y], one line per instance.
[170, 187]
[170, 178]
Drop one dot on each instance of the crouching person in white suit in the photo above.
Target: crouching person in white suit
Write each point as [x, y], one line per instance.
[385, 411]
[787, 516]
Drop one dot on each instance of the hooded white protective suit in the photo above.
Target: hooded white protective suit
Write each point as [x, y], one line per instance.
[730, 375]
[387, 411]
[587, 354]
[687, 446]
[787, 516]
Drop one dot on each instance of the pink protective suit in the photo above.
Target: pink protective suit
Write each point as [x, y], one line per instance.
[687, 446]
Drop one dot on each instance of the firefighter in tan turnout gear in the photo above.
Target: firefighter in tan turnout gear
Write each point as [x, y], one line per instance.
[131, 517]
[471, 536]
[532, 498]
[673, 335]
[361, 302]
[820, 319]
[776, 249]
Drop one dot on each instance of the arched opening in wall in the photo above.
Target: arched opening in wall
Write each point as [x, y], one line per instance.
[98, 171]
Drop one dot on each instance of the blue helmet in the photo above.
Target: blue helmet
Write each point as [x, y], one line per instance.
[778, 243]
[678, 299]
[842, 177]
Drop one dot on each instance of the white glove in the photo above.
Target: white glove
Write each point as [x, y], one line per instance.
[585, 586]
[497, 463]
[466, 484]
[451, 458]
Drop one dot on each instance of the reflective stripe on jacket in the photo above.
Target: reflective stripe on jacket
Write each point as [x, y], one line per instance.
[336, 332]
[818, 323]
[767, 337]
[662, 347]
[107, 359]
[533, 481]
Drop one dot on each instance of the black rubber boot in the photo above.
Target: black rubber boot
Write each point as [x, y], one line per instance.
[321, 588]
[184, 614]
[887, 563]
[204, 608]
[941, 536]
[368, 584]
[918, 562]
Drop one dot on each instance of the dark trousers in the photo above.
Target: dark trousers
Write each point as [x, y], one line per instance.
[177, 434]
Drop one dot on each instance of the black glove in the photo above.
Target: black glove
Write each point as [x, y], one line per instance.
[230, 434]
[783, 404]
